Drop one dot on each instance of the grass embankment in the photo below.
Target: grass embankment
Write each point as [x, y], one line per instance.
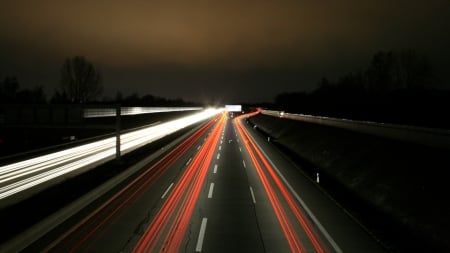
[397, 190]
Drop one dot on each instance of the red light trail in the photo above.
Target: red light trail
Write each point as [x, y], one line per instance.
[166, 230]
[117, 205]
[291, 235]
[179, 206]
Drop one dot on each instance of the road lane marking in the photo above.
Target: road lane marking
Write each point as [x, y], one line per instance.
[167, 191]
[215, 168]
[211, 189]
[218, 156]
[253, 195]
[188, 161]
[240, 149]
[199, 147]
[220, 147]
[243, 162]
[201, 235]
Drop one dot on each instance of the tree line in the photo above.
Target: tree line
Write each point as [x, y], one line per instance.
[395, 87]
[11, 93]
[80, 82]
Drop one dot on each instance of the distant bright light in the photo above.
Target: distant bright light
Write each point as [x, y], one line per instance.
[233, 108]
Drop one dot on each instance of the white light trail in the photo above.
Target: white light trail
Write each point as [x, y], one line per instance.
[110, 112]
[26, 174]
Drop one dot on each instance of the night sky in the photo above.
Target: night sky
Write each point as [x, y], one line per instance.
[229, 51]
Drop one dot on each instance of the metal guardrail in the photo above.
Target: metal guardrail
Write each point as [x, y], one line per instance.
[57, 116]
[111, 112]
[23, 240]
[25, 115]
[436, 138]
[22, 179]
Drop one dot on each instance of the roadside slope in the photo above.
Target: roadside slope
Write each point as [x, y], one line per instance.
[396, 189]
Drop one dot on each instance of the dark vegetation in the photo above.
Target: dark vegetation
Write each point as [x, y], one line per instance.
[397, 190]
[80, 80]
[80, 83]
[396, 87]
[80, 86]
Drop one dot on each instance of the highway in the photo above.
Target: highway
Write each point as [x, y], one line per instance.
[32, 175]
[223, 189]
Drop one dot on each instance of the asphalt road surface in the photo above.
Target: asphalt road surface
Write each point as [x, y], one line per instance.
[224, 189]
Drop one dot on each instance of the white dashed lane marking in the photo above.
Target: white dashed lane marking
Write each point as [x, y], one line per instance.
[253, 195]
[167, 191]
[201, 235]
[211, 189]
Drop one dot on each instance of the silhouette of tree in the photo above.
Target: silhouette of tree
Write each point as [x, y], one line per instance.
[378, 72]
[394, 87]
[80, 80]
[8, 90]
[394, 70]
[119, 97]
[149, 100]
[412, 71]
[11, 93]
[31, 96]
[59, 98]
[132, 100]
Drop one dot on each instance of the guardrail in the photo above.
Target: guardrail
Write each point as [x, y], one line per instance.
[111, 112]
[23, 240]
[73, 114]
[436, 138]
[30, 176]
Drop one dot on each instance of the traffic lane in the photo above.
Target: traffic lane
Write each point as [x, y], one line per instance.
[298, 232]
[269, 225]
[121, 231]
[164, 190]
[349, 235]
[226, 202]
[169, 227]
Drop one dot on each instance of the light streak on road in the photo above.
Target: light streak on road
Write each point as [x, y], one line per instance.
[88, 230]
[267, 176]
[166, 231]
[111, 112]
[17, 177]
